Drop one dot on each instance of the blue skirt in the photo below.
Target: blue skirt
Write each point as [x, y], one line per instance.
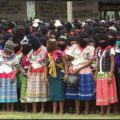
[8, 91]
[85, 89]
[56, 86]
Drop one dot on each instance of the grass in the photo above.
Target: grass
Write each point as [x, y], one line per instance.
[22, 115]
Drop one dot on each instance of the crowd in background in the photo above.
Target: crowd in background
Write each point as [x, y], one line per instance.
[58, 66]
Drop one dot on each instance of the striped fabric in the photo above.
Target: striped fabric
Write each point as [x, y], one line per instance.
[8, 90]
[37, 91]
[23, 89]
[56, 91]
[85, 89]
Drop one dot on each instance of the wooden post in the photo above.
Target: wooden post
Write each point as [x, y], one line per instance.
[69, 11]
[31, 9]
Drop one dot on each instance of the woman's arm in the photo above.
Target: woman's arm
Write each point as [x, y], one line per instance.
[112, 65]
[111, 69]
[29, 69]
[65, 67]
[84, 65]
[46, 72]
[14, 75]
[96, 70]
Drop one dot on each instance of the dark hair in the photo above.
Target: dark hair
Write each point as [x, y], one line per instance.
[103, 37]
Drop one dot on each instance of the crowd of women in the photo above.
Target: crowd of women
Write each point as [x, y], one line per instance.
[75, 67]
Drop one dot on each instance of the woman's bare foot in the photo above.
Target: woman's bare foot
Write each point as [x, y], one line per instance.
[86, 112]
[102, 113]
[12, 110]
[42, 110]
[77, 113]
[34, 111]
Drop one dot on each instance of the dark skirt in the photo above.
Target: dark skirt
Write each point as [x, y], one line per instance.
[85, 89]
[57, 92]
[117, 79]
[117, 74]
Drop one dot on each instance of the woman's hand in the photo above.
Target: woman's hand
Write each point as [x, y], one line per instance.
[46, 80]
[77, 70]
[23, 73]
[119, 70]
[95, 76]
[28, 75]
[12, 78]
[65, 77]
[71, 69]
[109, 80]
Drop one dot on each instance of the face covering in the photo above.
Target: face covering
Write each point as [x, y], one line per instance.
[62, 46]
[112, 42]
[83, 43]
[36, 47]
[16, 49]
[25, 50]
[103, 44]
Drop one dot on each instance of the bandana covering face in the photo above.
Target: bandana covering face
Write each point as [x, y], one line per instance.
[83, 42]
[103, 44]
[62, 46]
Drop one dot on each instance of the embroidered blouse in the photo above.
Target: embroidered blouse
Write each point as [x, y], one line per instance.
[37, 58]
[8, 65]
[104, 60]
[80, 55]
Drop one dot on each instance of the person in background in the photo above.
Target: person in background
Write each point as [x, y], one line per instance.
[62, 43]
[2, 41]
[93, 42]
[117, 68]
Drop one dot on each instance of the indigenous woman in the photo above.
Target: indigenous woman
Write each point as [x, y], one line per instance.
[8, 71]
[37, 88]
[57, 68]
[80, 66]
[25, 49]
[105, 81]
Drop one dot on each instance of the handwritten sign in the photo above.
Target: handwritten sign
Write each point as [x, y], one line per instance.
[13, 9]
[51, 10]
[85, 9]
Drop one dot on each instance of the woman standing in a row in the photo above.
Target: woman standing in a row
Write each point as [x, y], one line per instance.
[37, 88]
[57, 69]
